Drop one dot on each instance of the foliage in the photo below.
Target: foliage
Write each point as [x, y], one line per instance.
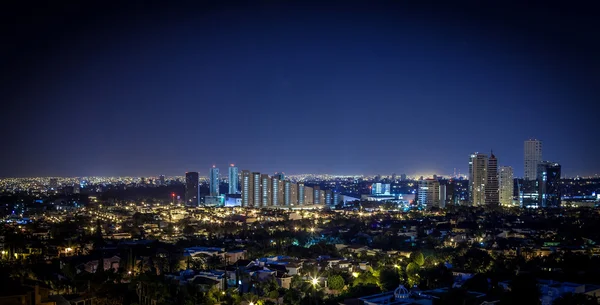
[576, 299]
[389, 279]
[336, 282]
[417, 258]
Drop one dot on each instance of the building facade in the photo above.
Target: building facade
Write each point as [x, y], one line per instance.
[532, 157]
[247, 189]
[192, 196]
[549, 184]
[477, 178]
[506, 185]
[491, 187]
[233, 179]
[429, 193]
[213, 183]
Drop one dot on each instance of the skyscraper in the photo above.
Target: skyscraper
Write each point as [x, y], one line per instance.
[477, 178]
[533, 156]
[549, 184]
[265, 191]
[491, 186]
[247, 189]
[301, 196]
[161, 179]
[429, 193]
[275, 191]
[293, 193]
[213, 181]
[233, 179]
[256, 189]
[191, 189]
[309, 195]
[506, 185]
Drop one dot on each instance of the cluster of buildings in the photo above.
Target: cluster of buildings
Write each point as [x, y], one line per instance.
[253, 189]
[490, 184]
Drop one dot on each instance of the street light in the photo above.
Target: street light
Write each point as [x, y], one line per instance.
[315, 282]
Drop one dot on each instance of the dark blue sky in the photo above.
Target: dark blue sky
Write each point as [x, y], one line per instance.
[342, 88]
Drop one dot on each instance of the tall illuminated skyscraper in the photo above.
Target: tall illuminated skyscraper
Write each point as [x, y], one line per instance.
[429, 193]
[506, 185]
[301, 196]
[265, 191]
[213, 176]
[477, 178]
[191, 189]
[549, 184]
[247, 189]
[256, 189]
[491, 186]
[233, 179]
[532, 157]
[275, 191]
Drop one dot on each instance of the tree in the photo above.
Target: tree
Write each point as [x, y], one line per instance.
[389, 279]
[417, 258]
[412, 274]
[335, 282]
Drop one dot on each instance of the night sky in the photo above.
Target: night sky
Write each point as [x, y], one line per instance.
[343, 88]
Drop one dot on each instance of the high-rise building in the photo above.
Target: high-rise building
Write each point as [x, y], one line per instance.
[301, 195]
[429, 193]
[491, 186]
[247, 189]
[316, 195]
[309, 195]
[337, 198]
[265, 191]
[293, 195]
[549, 184]
[506, 185]
[477, 178]
[533, 156]
[286, 190]
[213, 181]
[256, 189]
[328, 197]
[233, 179]
[161, 180]
[192, 197]
[275, 190]
[402, 177]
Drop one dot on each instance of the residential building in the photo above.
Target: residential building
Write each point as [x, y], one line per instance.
[506, 185]
[477, 178]
[247, 189]
[256, 189]
[429, 193]
[233, 179]
[532, 157]
[265, 191]
[192, 195]
[214, 181]
[491, 186]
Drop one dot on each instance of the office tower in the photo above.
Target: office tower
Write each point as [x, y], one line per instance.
[506, 185]
[477, 178]
[233, 179]
[192, 196]
[491, 186]
[275, 190]
[375, 188]
[549, 184]
[265, 191]
[309, 195]
[247, 189]
[533, 156]
[280, 176]
[161, 180]
[429, 193]
[256, 189]
[301, 194]
[213, 186]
